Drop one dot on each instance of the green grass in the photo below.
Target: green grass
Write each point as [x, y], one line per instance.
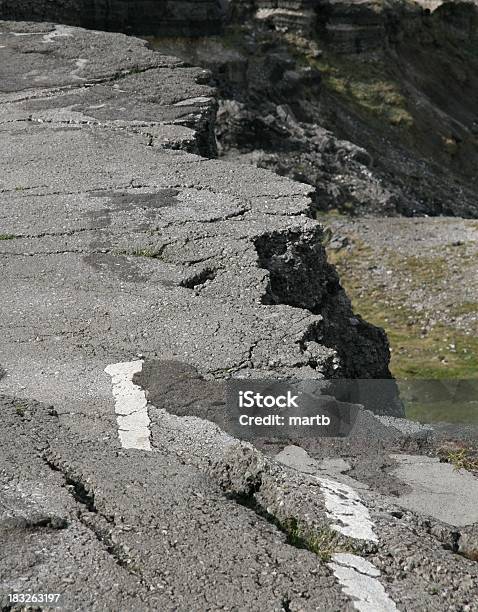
[324, 542]
[20, 409]
[439, 353]
[461, 459]
[446, 411]
[465, 308]
[421, 269]
[367, 84]
[7, 236]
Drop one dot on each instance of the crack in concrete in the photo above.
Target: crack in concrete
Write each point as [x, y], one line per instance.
[92, 518]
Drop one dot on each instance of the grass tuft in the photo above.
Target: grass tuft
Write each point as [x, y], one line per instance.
[437, 351]
[460, 458]
[368, 85]
[20, 410]
[324, 542]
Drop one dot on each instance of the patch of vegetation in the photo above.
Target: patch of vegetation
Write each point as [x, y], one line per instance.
[429, 269]
[465, 308]
[439, 353]
[367, 84]
[324, 542]
[446, 411]
[20, 409]
[461, 458]
[7, 236]
[434, 351]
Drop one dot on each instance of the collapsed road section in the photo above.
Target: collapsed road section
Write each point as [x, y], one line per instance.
[124, 242]
[119, 238]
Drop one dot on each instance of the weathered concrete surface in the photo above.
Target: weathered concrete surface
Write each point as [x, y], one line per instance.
[438, 489]
[74, 78]
[164, 525]
[120, 242]
[126, 530]
[323, 486]
[120, 245]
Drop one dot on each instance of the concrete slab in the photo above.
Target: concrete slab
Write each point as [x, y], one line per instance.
[438, 489]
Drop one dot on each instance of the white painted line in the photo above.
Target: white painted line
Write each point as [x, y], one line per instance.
[130, 405]
[60, 30]
[345, 506]
[358, 578]
[357, 563]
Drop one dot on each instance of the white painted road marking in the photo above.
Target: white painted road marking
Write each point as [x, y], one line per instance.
[130, 405]
[58, 32]
[345, 506]
[358, 578]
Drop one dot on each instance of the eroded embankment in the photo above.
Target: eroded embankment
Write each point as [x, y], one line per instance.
[371, 103]
[121, 241]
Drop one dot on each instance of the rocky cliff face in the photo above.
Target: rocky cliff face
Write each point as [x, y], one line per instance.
[145, 17]
[372, 104]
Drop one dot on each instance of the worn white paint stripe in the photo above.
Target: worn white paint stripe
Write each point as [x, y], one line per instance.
[345, 507]
[58, 32]
[189, 101]
[358, 578]
[130, 405]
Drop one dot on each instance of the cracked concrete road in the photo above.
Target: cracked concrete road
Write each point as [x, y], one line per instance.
[205, 521]
[112, 529]
[118, 241]
[121, 243]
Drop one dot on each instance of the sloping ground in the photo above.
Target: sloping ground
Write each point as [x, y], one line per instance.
[418, 279]
[410, 105]
[372, 103]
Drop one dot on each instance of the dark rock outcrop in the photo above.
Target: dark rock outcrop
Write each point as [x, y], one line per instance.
[372, 104]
